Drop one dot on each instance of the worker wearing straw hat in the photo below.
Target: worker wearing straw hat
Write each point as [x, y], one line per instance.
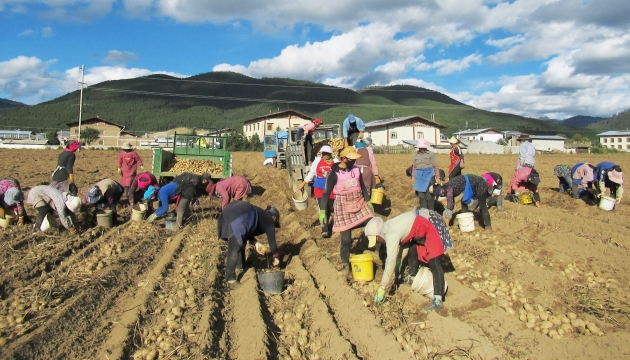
[128, 162]
[457, 158]
[608, 175]
[321, 167]
[425, 171]
[419, 233]
[352, 203]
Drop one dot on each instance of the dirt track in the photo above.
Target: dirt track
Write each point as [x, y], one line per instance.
[139, 291]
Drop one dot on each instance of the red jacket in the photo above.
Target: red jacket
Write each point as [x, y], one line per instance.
[433, 246]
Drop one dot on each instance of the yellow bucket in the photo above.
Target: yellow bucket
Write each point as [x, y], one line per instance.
[362, 267]
[377, 196]
[527, 199]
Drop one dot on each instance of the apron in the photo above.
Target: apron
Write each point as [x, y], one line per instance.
[455, 160]
[422, 179]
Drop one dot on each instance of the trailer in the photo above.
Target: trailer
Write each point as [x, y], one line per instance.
[192, 147]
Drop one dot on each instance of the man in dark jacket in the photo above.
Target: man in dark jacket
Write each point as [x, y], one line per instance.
[198, 181]
[239, 222]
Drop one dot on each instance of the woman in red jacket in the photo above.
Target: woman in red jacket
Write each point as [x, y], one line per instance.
[128, 162]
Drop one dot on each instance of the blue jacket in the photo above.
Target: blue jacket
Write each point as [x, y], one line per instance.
[346, 125]
[165, 193]
[601, 167]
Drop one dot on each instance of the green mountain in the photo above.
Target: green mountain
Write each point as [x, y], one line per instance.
[581, 121]
[225, 99]
[6, 103]
[620, 121]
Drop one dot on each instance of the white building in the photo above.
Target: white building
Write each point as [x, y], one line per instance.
[267, 124]
[619, 140]
[388, 132]
[548, 142]
[486, 134]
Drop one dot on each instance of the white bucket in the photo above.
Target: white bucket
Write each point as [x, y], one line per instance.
[300, 199]
[466, 221]
[48, 222]
[607, 203]
[423, 282]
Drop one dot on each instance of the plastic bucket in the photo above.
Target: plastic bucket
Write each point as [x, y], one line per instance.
[607, 203]
[362, 267]
[48, 222]
[137, 215]
[466, 221]
[104, 219]
[7, 221]
[300, 199]
[423, 283]
[377, 196]
[271, 282]
[527, 199]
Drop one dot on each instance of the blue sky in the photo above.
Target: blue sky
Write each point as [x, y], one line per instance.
[557, 58]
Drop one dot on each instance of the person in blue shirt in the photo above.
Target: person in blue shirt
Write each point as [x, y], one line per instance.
[239, 222]
[609, 175]
[181, 194]
[353, 128]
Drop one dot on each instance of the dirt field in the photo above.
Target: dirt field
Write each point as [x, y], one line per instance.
[549, 283]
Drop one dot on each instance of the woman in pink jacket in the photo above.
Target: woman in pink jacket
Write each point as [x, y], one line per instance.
[525, 179]
[128, 162]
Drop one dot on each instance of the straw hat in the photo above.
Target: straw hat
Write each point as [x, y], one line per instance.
[523, 137]
[422, 144]
[453, 140]
[350, 153]
[126, 146]
[616, 177]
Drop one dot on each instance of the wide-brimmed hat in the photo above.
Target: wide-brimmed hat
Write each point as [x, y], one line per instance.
[374, 229]
[422, 144]
[616, 177]
[350, 153]
[523, 137]
[13, 196]
[126, 146]
[94, 194]
[326, 149]
[453, 140]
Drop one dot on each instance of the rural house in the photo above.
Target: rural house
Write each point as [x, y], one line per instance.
[389, 132]
[548, 142]
[16, 134]
[487, 134]
[110, 133]
[267, 124]
[619, 140]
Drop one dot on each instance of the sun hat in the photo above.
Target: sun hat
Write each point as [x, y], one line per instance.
[453, 140]
[94, 194]
[614, 176]
[73, 203]
[326, 149]
[126, 146]
[149, 193]
[318, 121]
[373, 229]
[523, 137]
[350, 153]
[422, 144]
[13, 196]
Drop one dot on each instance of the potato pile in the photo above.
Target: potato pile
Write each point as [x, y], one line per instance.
[195, 166]
[573, 272]
[336, 144]
[16, 313]
[102, 258]
[556, 326]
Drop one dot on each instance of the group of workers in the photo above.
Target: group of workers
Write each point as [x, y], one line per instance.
[586, 180]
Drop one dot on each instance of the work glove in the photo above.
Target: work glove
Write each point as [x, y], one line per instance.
[370, 205]
[302, 185]
[72, 189]
[380, 295]
[119, 171]
[21, 220]
[1, 213]
[142, 167]
[322, 216]
[276, 259]
[360, 134]
[151, 218]
[377, 179]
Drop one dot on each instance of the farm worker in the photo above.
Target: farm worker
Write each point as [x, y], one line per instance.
[233, 188]
[457, 158]
[609, 175]
[139, 185]
[472, 187]
[526, 152]
[198, 181]
[128, 162]
[525, 179]
[239, 222]
[582, 175]
[45, 199]
[307, 130]
[182, 195]
[352, 206]
[63, 176]
[495, 184]
[353, 128]
[321, 167]
[425, 169]
[364, 163]
[563, 173]
[104, 194]
[12, 198]
[419, 233]
[373, 165]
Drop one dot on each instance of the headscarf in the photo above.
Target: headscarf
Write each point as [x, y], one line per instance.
[367, 141]
[73, 203]
[144, 181]
[13, 196]
[94, 194]
[72, 145]
[149, 193]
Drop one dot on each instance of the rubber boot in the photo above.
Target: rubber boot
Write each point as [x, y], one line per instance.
[325, 230]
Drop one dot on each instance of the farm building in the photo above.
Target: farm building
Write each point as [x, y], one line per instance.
[267, 125]
[110, 133]
[510, 136]
[619, 140]
[548, 142]
[486, 134]
[16, 134]
[388, 132]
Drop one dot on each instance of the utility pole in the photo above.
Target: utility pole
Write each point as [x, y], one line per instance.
[81, 101]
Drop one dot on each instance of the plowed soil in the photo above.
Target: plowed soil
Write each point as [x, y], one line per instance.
[549, 283]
